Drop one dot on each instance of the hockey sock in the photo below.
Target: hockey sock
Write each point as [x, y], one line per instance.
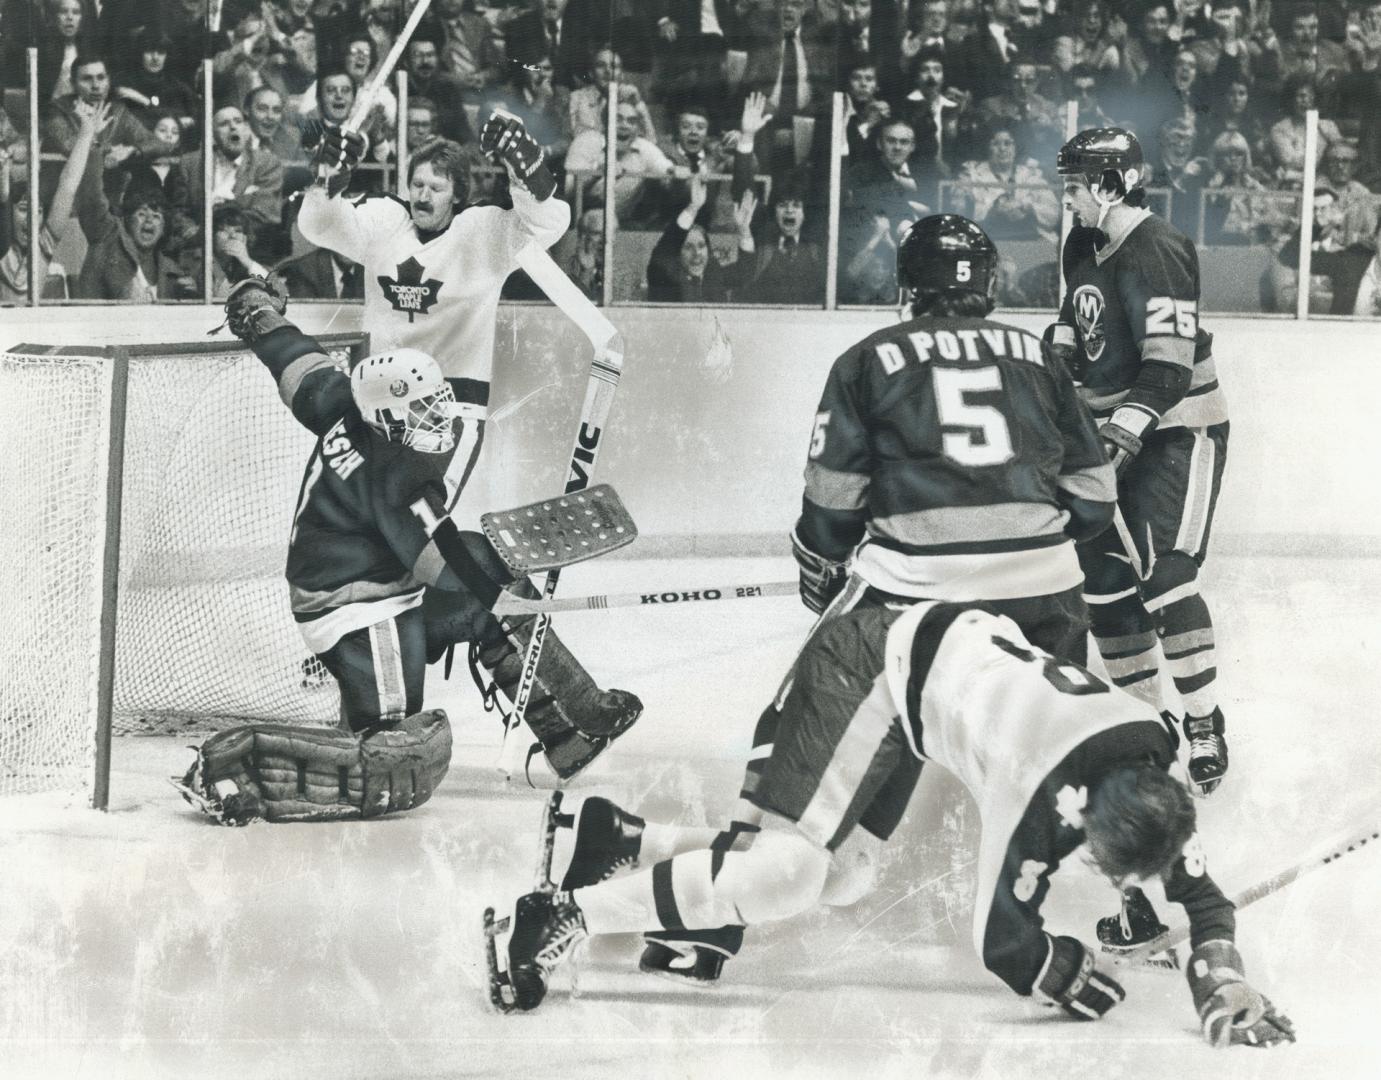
[1186, 633]
[1126, 638]
[661, 842]
[778, 877]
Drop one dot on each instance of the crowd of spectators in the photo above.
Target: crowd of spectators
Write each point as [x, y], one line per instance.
[723, 151]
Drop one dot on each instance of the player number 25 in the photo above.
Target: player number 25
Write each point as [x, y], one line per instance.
[1166, 315]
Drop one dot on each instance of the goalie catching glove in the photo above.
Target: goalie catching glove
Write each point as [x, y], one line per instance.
[505, 139]
[821, 578]
[336, 156]
[253, 308]
[284, 773]
[1230, 1012]
[1070, 979]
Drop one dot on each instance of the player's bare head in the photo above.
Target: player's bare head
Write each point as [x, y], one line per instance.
[404, 397]
[438, 183]
[947, 265]
[1137, 821]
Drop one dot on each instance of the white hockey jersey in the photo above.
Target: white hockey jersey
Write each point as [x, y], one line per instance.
[439, 295]
[1000, 717]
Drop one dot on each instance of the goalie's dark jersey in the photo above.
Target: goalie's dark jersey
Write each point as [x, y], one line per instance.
[1028, 736]
[956, 450]
[360, 550]
[1137, 299]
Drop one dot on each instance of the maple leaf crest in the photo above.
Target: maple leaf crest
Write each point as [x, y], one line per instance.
[408, 292]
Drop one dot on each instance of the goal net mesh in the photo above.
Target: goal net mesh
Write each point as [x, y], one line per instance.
[213, 462]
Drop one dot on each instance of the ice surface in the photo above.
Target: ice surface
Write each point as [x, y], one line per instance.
[146, 943]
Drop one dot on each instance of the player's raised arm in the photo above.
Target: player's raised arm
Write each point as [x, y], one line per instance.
[309, 382]
[537, 215]
[329, 219]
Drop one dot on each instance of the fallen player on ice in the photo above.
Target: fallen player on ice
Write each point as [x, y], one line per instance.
[1052, 756]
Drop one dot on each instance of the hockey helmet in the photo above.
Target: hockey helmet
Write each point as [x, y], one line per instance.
[404, 397]
[946, 253]
[1109, 160]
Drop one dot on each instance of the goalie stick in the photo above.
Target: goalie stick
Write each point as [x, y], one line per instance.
[508, 604]
[1318, 858]
[500, 988]
[606, 367]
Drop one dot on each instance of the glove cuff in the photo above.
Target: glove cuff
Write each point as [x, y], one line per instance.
[1212, 964]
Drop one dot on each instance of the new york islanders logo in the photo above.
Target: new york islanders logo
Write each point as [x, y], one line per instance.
[1088, 315]
[408, 292]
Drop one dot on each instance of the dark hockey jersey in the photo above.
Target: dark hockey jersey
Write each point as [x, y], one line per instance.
[361, 548]
[958, 452]
[1135, 300]
[1027, 736]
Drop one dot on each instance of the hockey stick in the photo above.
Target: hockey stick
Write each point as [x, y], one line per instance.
[1320, 857]
[606, 367]
[508, 604]
[364, 101]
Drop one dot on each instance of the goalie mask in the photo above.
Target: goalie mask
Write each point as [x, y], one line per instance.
[404, 397]
[1108, 160]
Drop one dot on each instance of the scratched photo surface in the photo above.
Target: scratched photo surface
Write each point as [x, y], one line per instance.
[144, 942]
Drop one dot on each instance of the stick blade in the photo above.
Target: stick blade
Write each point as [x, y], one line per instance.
[552, 533]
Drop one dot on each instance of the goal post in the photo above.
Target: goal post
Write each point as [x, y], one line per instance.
[146, 498]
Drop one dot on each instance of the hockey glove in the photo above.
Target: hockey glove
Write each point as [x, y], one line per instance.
[336, 156]
[821, 579]
[253, 308]
[1120, 444]
[505, 139]
[1231, 1013]
[1070, 980]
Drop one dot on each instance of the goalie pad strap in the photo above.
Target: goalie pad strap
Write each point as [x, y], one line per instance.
[306, 774]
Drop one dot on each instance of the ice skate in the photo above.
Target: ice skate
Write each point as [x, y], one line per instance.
[546, 927]
[607, 839]
[1208, 752]
[692, 957]
[1133, 926]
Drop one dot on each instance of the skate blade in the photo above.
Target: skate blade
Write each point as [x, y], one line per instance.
[501, 995]
[1161, 961]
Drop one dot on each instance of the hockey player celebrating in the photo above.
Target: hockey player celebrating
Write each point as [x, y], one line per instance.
[1053, 758]
[1129, 326]
[433, 270]
[951, 459]
[382, 582]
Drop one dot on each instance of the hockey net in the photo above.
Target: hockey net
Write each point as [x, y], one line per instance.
[212, 464]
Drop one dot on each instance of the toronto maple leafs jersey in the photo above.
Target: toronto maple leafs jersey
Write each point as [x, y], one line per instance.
[1134, 300]
[360, 549]
[1027, 735]
[437, 293]
[955, 450]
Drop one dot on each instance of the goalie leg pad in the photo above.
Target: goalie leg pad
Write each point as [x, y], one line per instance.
[282, 773]
[565, 696]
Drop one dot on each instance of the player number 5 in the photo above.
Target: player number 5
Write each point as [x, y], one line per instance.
[817, 437]
[985, 439]
[962, 270]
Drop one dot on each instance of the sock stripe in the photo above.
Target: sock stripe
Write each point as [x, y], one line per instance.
[664, 898]
[1191, 683]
